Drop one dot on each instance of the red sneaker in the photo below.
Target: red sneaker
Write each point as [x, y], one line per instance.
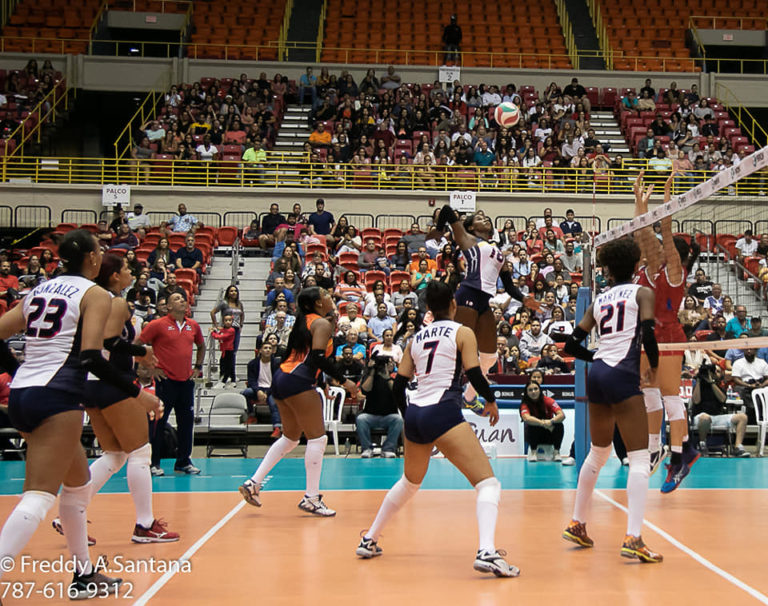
[276, 433]
[57, 527]
[157, 533]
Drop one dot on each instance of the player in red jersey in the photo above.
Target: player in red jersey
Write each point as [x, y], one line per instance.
[667, 264]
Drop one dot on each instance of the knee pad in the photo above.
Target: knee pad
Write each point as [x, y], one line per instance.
[141, 457]
[115, 460]
[489, 490]
[284, 445]
[640, 462]
[403, 490]
[36, 504]
[76, 496]
[652, 397]
[675, 408]
[318, 443]
[598, 455]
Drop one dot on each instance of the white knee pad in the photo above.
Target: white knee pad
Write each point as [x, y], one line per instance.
[403, 490]
[36, 504]
[652, 397]
[75, 496]
[488, 491]
[675, 408]
[284, 445]
[317, 444]
[597, 456]
[114, 459]
[141, 457]
[640, 462]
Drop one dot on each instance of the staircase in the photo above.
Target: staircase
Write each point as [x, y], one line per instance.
[608, 130]
[294, 130]
[584, 34]
[741, 291]
[303, 28]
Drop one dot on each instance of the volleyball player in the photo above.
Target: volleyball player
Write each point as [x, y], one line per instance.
[484, 268]
[624, 319]
[64, 321]
[309, 352]
[436, 355]
[667, 264]
[120, 422]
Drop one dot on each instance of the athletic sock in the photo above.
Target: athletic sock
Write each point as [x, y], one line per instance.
[277, 451]
[654, 442]
[74, 523]
[637, 489]
[313, 464]
[488, 495]
[23, 522]
[103, 468]
[140, 484]
[397, 496]
[594, 462]
[677, 455]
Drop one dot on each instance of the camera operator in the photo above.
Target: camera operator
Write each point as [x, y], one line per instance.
[380, 410]
[709, 410]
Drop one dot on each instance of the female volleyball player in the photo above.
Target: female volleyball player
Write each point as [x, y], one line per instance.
[622, 314]
[484, 268]
[436, 355]
[667, 264]
[120, 422]
[309, 352]
[64, 321]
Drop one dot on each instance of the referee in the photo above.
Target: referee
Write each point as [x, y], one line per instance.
[172, 338]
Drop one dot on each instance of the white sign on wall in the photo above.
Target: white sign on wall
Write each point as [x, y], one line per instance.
[463, 201]
[111, 195]
[449, 73]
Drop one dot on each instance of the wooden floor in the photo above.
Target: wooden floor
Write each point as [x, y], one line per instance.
[279, 555]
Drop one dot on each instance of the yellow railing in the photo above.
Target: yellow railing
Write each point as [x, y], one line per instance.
[282, 51]
[702, 52]
[307, 175]
[602, 32]
[746, 121]
[44, 113]
[321, 30]
[147, 111]
[6, 10]
[565, 24]
[731, 22]
[94, 26]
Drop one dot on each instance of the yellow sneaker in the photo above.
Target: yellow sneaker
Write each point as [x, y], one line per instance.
[577, 533]
[633, 547]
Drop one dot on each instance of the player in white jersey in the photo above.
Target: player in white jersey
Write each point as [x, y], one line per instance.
[485, 265]
[624, 320]
[120, 422]
[436, 355]
[63, 320]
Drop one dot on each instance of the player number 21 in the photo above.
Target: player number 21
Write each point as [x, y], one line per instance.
[608, 312]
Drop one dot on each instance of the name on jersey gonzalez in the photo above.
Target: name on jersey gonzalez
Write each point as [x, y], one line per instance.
[54, 288]
[434, 331]
[617, 293]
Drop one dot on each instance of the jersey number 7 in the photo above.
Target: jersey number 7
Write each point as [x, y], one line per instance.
[432, 347]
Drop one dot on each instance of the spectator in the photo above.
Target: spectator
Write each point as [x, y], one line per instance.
[349, 367]
[280, 289]
[403, 293]
[647, 88]
[207, 152]
[349, 289]
[259, 386]
[380, 322]
[138, 221]
[321, 222]
[713, 304]
[387, 347]
[190, 257]
[701, 288]
[551, 362]
[367, 258]
[358, 349]
[739, 324]
[183, 222]
[756, 329]
[172, 338]
[269, 225]
[578, 93]
[421, 277]
[254, 159]
[308, 83]
[646, 145]
[452, 41]
[691, 315]
[749, 373]
[557, 327]
[422, 255]
[746, 245]
[141, 155]
[570, 226]
[226, 338]
[125, 238]
[9, 286]
[380, 410]
[533, 341]
[708, 409]
[391, 81]
[414, 239]
[281, 328]
[543, 420]
[320, 137]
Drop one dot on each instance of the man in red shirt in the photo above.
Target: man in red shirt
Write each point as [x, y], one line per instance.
[9, 284]
[172, 339]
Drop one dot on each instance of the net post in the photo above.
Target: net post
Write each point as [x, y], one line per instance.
[581, 416]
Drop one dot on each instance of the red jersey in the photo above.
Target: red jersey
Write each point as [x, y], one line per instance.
[669, 298]
[551, 409]
[172, 343]
[297, 361]
[226, 338]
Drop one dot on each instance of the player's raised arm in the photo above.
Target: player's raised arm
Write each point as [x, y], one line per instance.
[650, 248]
[448, 216]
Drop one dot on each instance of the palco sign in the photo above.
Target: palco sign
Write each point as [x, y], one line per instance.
[463, 201]
[111, 195]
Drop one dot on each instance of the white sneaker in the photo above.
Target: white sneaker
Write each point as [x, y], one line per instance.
[156, 471]
[388, 454]
[218, 385]
[532, 458]
[625, 461]
[367, 454]
[250, 491]
[557, 456]
[316, 506]
[568, 461]
[485, 561]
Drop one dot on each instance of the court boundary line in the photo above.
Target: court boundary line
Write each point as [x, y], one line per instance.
[692, 554]
[187, 555]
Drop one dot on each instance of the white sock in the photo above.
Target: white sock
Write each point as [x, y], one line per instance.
[103, 468]
[74, 523]
[277, 451]
[486, 361]
[637, 489]
[23, 522]
[488, 495]
[140, 484]
[397, 496]
[313, 464]
[654, 442]
[594, 462]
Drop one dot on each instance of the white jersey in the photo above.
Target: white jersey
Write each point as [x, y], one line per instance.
[52, 351]
[437, 361]
[618, 324]
[484, 261]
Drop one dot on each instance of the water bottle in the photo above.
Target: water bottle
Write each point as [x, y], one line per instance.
[730, 395]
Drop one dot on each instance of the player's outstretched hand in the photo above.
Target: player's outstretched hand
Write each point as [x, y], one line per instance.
[491, 411]
[531, 303]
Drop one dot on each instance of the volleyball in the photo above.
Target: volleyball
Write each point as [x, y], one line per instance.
[507, 114]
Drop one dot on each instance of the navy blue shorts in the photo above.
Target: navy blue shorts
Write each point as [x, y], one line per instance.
[608, 385]
[425, 424]
[472, 298]
[285, 385]
[30, 406]
[100, 394]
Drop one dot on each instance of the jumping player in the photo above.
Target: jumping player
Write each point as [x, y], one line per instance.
[667, 264]
[436, 355]
[309, 352]
[484, 268]
[624, 319]
[63, 320]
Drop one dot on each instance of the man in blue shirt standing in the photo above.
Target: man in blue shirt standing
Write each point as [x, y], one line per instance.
[308, 82]
[321, 222]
